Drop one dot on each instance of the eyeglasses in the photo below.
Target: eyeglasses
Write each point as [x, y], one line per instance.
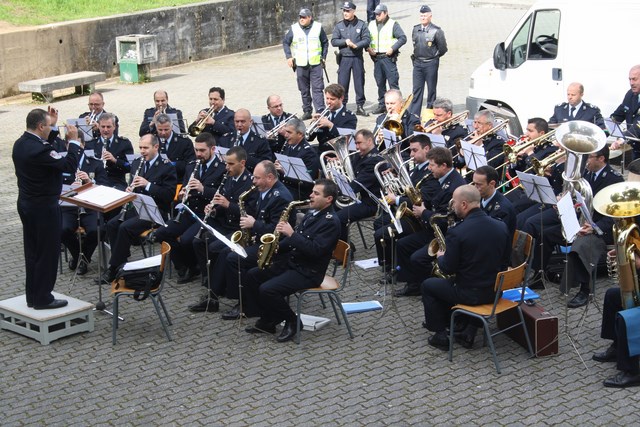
[477, 122]
[276, 106]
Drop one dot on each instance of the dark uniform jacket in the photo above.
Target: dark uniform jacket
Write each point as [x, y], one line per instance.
[147, 118]
[277, 143]
[257, 148]
[440, 201]
[309, 249]
[587, 112]
[363, 167]
[227, 220]
[96, 132]
[453, 134]
[223, 122]
[500, 208]
[344, 119]
[269, 209]
[628, 111]
[408, 121]
[210, 180]
[478, 248]
[607, 177]
[89, 165]
[355, 30]
[162, 176]
[301, 189]
[429, 44]
[39, 168]
[119, 147]
[180, 152]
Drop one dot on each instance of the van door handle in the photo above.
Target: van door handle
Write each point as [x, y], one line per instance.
[556, 74]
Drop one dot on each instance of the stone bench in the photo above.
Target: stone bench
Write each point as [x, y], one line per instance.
[84, 82]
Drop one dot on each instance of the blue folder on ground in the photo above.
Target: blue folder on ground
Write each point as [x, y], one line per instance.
[361, 307]
[515, 294]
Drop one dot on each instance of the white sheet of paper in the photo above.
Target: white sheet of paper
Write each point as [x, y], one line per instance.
[366, 264]
[132, 157]
[153, 261]
[537, 188]
[568, 217]
[436, 140]
[390, 138]
[147, 209]
[101, 195]
[474, 156]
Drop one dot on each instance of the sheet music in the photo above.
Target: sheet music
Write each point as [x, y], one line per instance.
[101, 195]
[221, 152]
[586, 214]
[86, 132]
[474, 155]
[343, 185]
[436, 140]
[294, 168]
[568, 217]
[613, 128]
[233, 246]
[147, 209]
[258, 127]
[132, 157]
[141, 264]
[390, 138]
[346, 131]
[537, 188]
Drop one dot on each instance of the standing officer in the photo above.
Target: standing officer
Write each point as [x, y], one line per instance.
[351, 35]
[39, 171]
[429, 44]
[386, 38]
[576, 109]
[161, 101]
[371, 7]
[629, 111]
[309, 44]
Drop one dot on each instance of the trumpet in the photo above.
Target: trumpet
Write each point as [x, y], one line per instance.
[446, 124]
[187, 191]
[130, 188]
[273, 133]
[315, 125]
[91, 118]
[197, 127]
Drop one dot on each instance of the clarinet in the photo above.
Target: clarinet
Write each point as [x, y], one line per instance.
[130, 188]
[208, 214]
[81, 211]
[185, 196]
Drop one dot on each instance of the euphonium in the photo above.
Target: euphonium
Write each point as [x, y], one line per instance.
[196, 128]
[242, 236]
[271, 241]
[338, 159]
[185, 196]
[621, 201]
[438, 243]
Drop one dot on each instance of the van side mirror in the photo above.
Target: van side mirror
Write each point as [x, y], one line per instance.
[499, 57]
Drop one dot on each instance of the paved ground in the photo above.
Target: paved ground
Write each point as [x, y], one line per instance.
[214, 373]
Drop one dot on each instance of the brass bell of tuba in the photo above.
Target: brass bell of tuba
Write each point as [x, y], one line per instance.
[338, 159]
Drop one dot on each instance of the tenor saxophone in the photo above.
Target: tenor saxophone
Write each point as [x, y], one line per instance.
[242, 236]
[271, 241]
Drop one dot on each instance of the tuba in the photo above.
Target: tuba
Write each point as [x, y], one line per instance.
[438, 243]
[338, 159]
[242, 236]
[621, 201]
[271, 241]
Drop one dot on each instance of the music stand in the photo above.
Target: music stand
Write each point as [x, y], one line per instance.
[258, 127]
[474, 155]
[343, 185]
[616, 132]
[294, 168]
[437, 140]
[101, 199]
[148, 210]
[86, 131]
[221, 152]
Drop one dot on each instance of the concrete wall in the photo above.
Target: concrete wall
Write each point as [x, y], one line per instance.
[188, 33]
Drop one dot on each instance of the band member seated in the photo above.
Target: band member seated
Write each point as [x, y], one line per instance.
[153, 177]
[494, 203]
[178, 149]
[333, 117]
[546, 228]
[428, 186]
[217, 119]
[199, 185]
[443, 111]
[477, 249]
[223, 214]
[576, 109]
[297, 146]
[363, 164]
[393, 102]
[257, 148]
[493, 143]
[627, 112]
[96, 110]
[301, 262]
[113, 150]
[414, 261]
[89, 170]
[270, 121]
[161, 101]
[614, 328]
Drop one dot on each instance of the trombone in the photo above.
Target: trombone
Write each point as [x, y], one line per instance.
[393, 121]
[446, 124]
[511, 151]
[537, 166]
[315, 125]
[197, 127]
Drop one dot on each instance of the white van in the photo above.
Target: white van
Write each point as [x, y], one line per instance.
[555, 43]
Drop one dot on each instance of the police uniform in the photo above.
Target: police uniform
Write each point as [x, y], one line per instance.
[308, 47]
[223, 122]
[179, 150]
[269, 122]
[119, 147]
[500, 208]
[300, 263]
[257, 148]
[408, 120]
[351, 59]
[300, 190]
[341, 119]
[149, 114]
[478, 248]
[629, 111]
[162, 187]
[587, 112]
[71, 220]
[39, 171]
[96, 132]
[429, 44]
[385, 36]
[210, 175]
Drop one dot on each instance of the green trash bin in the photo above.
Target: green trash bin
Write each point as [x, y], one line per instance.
[129, 71]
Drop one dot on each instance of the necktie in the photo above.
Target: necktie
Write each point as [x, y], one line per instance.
[146, 168]
[593, 177]
[573, 112]
[333, 115]
[203, 170]
[107, 142]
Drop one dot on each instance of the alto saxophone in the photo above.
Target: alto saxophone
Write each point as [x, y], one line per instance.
[242, 236]
[438, 244]
[271, 241]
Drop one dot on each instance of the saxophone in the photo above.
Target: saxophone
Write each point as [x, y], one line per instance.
[242, 236]
[438, 243]
[271, 241]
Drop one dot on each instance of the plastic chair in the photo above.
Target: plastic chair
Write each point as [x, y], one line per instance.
[119, 288]
[505, 280]
[330, 287]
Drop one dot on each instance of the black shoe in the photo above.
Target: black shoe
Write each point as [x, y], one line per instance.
[381, 109]
[261, 326]
[306, 115]
[109, 275]
[206, 303]
[439, 340]
[579, 300]
[73, 263]
[233, 314]
[189, 276]
[56, 303]
[82, 268]
[410, 290]
[181, 272]
[289, 331]
[609, 355]
[623, 379]
[360, 111]
[467, 337]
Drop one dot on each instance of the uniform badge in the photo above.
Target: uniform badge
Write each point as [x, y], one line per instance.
[55, 154]
[429, 44]
[275, 193]
[446, 185]
[358, 30]
[329, 216]
[496, 206]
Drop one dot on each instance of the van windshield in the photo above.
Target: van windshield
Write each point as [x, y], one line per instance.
[537, 41]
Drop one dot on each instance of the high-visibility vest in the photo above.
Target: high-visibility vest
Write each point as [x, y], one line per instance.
[382, 41]
[306, 48]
